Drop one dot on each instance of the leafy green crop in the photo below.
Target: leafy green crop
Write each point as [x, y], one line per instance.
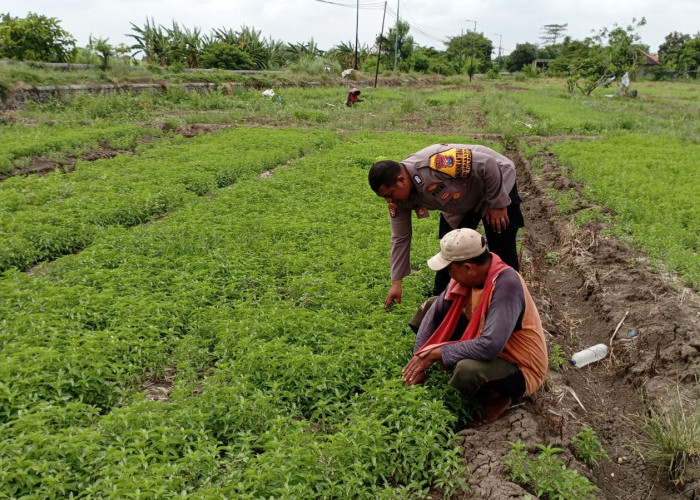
[547, 476]
[17, 142]
[588, 447]
[651, 182]
[266, 300]
[44, 217]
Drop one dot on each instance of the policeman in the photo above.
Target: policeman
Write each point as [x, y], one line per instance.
[466, 183]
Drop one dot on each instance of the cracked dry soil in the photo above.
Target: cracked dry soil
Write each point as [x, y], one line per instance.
[583, 294]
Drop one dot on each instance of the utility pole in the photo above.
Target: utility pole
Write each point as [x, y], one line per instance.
[461, 49]
[396, 37]
[357, 32]
[379, 54]
[471, 65]
[500, 37]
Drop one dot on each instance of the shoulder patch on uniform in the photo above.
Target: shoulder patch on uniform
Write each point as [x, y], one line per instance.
[392, 209]
[455, 162]
[422, 212]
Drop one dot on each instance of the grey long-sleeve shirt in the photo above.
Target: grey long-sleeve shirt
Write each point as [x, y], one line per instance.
[453, 178]
[502, 319]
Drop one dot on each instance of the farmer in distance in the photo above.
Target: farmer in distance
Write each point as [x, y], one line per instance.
[484, 326]
[466, 183]
[353, 97]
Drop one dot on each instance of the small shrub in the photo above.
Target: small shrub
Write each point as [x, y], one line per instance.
[492, 74]
[557, 358]
[594, 214]
[587, 447]
[545, 475]
[407, 106]
[552, 257]
[565, 200]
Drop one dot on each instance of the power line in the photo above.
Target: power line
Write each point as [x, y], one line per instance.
[364, 6]
[380, 6]
[417, 29]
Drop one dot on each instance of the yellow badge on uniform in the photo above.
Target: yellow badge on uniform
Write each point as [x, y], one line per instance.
[454, 162]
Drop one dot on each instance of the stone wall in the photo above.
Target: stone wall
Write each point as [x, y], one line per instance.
[15, 97]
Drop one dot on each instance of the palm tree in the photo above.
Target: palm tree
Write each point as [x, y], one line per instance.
[248, 41]
[344, 54]
[151, 41]
[185, 45]
[300, 50]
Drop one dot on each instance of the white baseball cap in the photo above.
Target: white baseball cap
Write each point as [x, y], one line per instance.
[456, 246]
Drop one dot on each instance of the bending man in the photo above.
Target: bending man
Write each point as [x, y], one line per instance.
[466, 183]
[501, 354]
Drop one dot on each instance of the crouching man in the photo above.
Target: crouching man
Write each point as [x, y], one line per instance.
[484, 327]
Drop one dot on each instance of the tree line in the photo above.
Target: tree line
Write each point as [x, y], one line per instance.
[586, 63]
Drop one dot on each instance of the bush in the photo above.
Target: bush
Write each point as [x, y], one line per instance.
[314, 66]
[587, 447]
[224, 56]
[492, 74]
[546, 475]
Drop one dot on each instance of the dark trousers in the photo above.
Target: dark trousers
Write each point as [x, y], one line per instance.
[477, 379]
[502, 244]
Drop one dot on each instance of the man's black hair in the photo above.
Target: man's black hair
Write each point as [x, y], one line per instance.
[482, 259]
[383, 173]
[479, 260]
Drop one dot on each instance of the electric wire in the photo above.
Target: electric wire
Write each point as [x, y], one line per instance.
[416, 28]
[390, 11]
[354, 5]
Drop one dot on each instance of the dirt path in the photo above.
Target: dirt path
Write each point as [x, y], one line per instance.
[584, 284]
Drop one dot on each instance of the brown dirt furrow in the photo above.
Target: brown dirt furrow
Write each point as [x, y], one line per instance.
[584, 284]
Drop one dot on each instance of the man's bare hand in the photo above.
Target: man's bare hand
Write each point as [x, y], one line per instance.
[414, 371]
[394, 294]
[497, 218]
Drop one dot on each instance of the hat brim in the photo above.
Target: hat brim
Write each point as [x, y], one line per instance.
[438, 263]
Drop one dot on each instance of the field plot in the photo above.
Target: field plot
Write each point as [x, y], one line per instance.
[206, 321]
[44, 217]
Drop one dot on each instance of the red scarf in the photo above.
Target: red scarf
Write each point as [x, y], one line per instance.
[458, 295]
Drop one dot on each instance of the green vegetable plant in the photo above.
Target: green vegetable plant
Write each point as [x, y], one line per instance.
[545, 475]
[557, 358]
[587, 447]
[45, 217]
[305, 400]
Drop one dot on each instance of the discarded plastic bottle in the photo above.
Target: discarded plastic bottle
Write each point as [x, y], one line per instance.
[595, 353]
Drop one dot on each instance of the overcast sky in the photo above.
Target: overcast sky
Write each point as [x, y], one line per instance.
[432, 21]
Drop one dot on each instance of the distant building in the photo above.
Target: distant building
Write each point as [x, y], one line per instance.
[541, 63]
[649, 61]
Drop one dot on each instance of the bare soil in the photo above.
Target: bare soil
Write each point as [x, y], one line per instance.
[158, 388]
[587, 286]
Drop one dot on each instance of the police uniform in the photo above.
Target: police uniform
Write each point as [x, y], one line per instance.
[462, 182]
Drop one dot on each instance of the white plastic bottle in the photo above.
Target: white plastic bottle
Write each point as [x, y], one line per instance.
[595, 353]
